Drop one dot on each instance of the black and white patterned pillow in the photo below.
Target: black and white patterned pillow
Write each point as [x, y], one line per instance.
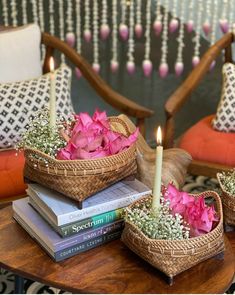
[20, 100]
[225, 115]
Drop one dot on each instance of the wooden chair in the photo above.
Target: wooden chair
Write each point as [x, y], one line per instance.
[116, 100]
[127, 107]
[179, 97]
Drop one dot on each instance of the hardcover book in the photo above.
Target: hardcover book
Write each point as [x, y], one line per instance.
[60, 210]
[84, 225]
[46, 236]
[71, 250]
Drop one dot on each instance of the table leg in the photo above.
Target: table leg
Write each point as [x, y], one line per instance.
[19, 285]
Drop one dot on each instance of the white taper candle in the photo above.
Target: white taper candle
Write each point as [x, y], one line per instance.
[52, 102]
[158, 172]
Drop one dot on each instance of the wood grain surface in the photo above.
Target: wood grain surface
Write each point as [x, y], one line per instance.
[111, 268]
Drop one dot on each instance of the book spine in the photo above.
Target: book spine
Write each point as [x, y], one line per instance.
[96, 221]
[90, 234]
[101, 208]
[85, 246]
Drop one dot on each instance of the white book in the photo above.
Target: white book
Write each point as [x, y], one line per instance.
[61, 210]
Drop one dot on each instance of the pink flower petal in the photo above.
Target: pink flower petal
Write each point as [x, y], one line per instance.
[195, 212]
[79, 140]
[93, 137]
[63, 155]
[85, 119]
[95, 144]
[80, 154]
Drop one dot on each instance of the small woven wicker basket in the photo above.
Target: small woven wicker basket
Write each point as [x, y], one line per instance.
[79, 179]
[175, 256]
[228, 202]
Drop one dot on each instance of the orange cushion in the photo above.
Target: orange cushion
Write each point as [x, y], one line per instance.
[206, 144]
[11, 174]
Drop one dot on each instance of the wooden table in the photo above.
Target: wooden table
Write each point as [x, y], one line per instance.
[111, 268]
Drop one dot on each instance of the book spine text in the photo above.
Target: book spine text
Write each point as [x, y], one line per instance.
[92, 211]
[88, 235]
[96, 221]
[82, 247]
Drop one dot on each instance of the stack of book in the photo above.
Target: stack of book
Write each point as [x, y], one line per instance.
[63, 230]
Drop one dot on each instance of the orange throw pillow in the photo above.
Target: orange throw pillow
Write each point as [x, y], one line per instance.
[206, 144]
[11, 174]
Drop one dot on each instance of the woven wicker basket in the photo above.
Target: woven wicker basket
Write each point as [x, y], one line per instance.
[228, 202]
[174, 256]
[79, 179]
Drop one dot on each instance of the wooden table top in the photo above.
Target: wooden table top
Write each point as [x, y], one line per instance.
[111, 268]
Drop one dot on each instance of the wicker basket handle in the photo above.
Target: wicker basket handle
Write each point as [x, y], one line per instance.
[117, 123]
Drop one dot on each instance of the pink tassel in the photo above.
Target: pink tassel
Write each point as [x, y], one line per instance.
[78, 73]
[174, 25]
[212, 65]
[157, 26]
[87, 35]
[104, 31]
[138, 30]
[147, 67]
[123, 31]
[179, 67]
[96, 67]
[206, 27]
[224, 25]
[190, 26]
[163, 70]
[195, 61]
[70, 39]
[130, 66]
[114, 66]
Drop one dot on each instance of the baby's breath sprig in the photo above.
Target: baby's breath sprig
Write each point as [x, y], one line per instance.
[228, 181]
[39, 134]
[165, 226]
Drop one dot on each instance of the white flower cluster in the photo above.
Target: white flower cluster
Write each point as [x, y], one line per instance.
[147, 31]
[78, 26]
[228, 181]
[180, 38]
[114, 32]
[24, 12]
[61, 24]
[40, 136]
[197, 37]
[131, 44]
[164, 46]
[5, 12]
[95, 33]
[51, 17]
[14, 13]
[34, 11]
[163, 226]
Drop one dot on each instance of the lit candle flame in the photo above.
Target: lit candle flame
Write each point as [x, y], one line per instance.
[159, 136]
[52, 64]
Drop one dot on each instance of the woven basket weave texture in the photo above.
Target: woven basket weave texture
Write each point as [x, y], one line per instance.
[175, 256]
[228, 202]
[79, 179]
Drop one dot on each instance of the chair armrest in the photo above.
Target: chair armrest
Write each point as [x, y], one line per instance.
[113, 98]
[178, 98]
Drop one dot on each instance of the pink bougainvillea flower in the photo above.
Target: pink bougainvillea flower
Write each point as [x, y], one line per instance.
[200, 217]
[63, 154]
[178, 200]
[92, 137]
